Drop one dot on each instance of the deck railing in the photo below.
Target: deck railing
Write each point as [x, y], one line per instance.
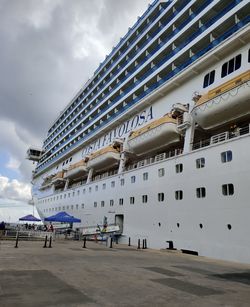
[221, 137]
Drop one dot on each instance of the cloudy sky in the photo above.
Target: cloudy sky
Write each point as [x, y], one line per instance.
[48, 50]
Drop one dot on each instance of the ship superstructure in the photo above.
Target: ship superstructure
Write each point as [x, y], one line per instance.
[157, 140]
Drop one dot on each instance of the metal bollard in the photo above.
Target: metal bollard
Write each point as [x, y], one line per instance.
[139, 244]
[111, 243]
[50, 241]
[84, 242]
[145, 244]
[129, 241]
[17, 237]
[45, 241]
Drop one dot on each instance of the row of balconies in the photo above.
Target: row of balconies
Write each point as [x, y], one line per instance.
[171, 50]
[138, 39]
[166, 74]
[132, 67]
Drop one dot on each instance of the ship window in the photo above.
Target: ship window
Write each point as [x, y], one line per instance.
[77, 206]
[63, 207]
[132, 179]
[179, 168]
[72, 207]
[229, 226]
[161, 172]
[178, 195]
[145, 176]
[112, 184]
[95, 204]
[111, 202]
[89, 189]
[68, 195]
[144, 198]
[104, 186]
[73, 194]
[60, 196]
[228, 189]
[122, 181]
[70, 159]
[132, 200]
[96, 187]
[160, 196]
[120, 201]
[249, 56]
[209, 79]
[102, 203]
[201, 192]
[230, 66]
[226, 156]
[82, 206]
[200, 163]
[67, 207]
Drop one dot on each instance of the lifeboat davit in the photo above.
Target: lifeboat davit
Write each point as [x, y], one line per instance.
[76, 170]
[47, 183]
[225, 103]
[58, 179]
[156, 135]
[104, 158]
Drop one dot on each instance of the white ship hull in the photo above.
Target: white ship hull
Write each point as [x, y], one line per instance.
[192, 186]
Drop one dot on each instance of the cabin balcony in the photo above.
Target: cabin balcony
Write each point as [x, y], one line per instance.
[76, 170]
[104, 158]
[154, 136]
[224, 103]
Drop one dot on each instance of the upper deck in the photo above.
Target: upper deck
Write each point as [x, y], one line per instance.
[169, 38]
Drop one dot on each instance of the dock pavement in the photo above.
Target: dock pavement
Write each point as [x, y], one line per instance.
[69, 275]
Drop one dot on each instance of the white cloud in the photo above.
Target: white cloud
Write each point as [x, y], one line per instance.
[14, 189]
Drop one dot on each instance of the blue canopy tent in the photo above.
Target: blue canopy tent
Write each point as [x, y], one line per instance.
[29, 218]
[62, 217]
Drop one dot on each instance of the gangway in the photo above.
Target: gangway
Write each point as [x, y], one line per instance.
[101, 230]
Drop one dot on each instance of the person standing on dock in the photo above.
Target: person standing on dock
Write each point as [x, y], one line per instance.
[2, 229]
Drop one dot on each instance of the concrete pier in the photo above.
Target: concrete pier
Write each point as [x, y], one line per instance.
[69, 275]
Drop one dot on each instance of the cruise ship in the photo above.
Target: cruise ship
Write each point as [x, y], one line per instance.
[157, 142]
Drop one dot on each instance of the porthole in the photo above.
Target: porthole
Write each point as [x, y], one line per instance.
[229, 226]
[178, 225]
[201, 226]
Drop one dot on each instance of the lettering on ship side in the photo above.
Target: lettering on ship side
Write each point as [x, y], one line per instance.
[121, 131]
